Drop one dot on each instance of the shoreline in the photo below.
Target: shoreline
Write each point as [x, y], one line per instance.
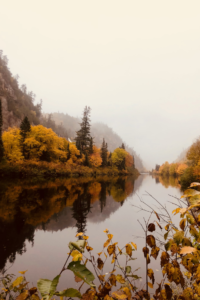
[54, 170]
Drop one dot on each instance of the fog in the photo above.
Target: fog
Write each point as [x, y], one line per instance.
[136, 63]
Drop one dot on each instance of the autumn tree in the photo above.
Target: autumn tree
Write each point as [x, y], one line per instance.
[118, 158]
[193, 153]
[104, 151]
[91, 145]
[25, 129]
[1, 125]
[83, 137]
[95, 158]
[12, 146]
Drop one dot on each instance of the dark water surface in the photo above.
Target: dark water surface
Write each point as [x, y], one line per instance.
[38, 220]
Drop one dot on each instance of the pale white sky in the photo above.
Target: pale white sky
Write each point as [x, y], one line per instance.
[136, 63]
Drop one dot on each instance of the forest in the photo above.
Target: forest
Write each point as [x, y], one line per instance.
[187, 169]
[35, 144]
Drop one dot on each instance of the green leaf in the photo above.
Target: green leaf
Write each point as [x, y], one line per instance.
[178, 237]
[79, 245]
[166, 235]
[82, 272]
[17, 281]
[44, 286]
[53, 286]
[190, 193]
[69, 293]
[47, 287]
[128, 269]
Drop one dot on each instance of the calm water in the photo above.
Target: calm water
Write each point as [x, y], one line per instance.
[38, 220]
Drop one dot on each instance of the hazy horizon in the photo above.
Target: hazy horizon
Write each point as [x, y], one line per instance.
[135, 63]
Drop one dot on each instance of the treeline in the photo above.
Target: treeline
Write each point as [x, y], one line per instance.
[188, 170]
[38, 143]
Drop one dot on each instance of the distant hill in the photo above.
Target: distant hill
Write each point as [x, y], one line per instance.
[98, 131]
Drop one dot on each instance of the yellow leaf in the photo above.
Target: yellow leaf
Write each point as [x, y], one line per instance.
[120, 279]
[150, 285]
[113, 260]
[120, 251]
[23, 296]
[110, 236]
[23, 272]
[194, 184]
[134, 245]
[89, 248]
[105, 255]
[99, 253]
[17, 281]
[175, 211]
[129, 249]
[106, 243]
[76, 255]
[119, 295]
[5, 290]
[106, 230]
[127, 292]
[187, 249]
[111, 249]
[79, 234]
[86, 237]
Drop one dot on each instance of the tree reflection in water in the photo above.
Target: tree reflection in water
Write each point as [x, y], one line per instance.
[55, 205]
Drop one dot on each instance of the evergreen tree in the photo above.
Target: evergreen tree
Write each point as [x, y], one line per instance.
[91, 146]
[1, 125]
[104, 151]
[86, 163]
[83, 138]
[123, 146]
[25, 128]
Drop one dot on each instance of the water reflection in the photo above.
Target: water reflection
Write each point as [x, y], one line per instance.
[55, 205]
[167, 181]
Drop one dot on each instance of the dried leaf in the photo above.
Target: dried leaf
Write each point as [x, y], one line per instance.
[86, 237]
[164, 258]
[77, 279]
[159, 225]
[155, 252]
[182, 224]
[148, 259]
[186, 250]
[168, 292]
[120, 251]
[151, 227]
[194, 184]
[106, 231]
[150, 285]
[145, 251]
[102, 277]
[99, 253]
[100, 263]
[112, 279]
[151, 241]
[157, 215]
[17, 281]
[89, 248]
[111, 249]
[23, 296]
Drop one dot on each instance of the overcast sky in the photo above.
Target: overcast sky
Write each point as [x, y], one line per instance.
[135, 62]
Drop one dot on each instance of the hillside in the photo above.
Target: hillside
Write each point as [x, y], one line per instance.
[98, 131]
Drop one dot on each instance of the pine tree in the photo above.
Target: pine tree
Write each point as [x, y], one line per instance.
[1, 125]
[91, 146]
[25, 128]
[86, 163]
[83, 138]
[104, 151]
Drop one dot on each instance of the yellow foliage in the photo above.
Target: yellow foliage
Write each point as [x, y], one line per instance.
[11, 142]
[95, 158]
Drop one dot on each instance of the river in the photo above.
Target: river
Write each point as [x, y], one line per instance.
[38, 220]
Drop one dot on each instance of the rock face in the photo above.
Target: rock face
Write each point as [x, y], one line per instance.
[9, 120]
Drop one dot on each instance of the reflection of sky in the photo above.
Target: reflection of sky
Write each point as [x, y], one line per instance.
[46, 258]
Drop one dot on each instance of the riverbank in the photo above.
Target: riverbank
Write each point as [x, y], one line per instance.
[52, 170]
